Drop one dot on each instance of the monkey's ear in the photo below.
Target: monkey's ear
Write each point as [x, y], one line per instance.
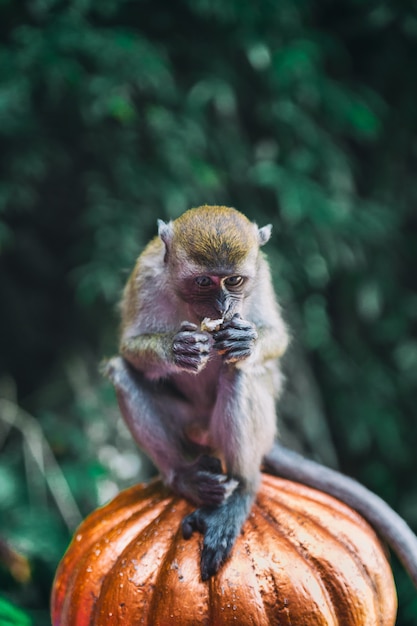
[264, 234]
[166, 233]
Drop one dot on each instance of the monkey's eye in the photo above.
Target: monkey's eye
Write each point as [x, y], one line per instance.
[233, 281]
[204, 281]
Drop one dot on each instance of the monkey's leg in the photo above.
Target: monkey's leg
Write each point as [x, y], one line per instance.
[243, 425]
[156, 415]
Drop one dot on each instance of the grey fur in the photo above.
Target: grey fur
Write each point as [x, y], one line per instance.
[191, 397]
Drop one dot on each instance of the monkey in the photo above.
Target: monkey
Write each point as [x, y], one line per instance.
[199, 396]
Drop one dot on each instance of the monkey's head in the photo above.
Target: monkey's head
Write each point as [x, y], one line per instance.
[211, 253]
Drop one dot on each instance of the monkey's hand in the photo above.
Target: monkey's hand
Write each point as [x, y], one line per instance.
[203, 482]
[191, 348]
[235, 339]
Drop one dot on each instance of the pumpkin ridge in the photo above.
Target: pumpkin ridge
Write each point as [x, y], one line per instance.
[124, 501]
[295, 547]
[344, 541]
[236, 584]
[343, 600]
[180, 566]
[95, 551]
[338, 538]
[276, 590]
[94, 525]
[343, 538]
[110, 598]
[310, 494]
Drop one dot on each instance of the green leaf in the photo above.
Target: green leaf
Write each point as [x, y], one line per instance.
[10, 615]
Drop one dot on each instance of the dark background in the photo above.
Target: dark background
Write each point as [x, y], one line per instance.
[114, 113]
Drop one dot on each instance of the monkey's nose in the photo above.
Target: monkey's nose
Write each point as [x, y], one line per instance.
[221, 306]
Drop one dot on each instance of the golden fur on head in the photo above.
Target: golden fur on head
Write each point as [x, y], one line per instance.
[215, 236]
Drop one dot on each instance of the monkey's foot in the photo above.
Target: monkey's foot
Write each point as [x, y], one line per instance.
[220, 527]
[203, 482]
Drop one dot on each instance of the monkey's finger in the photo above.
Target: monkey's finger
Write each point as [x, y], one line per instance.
[211, 489]
[191, 362]
[190, 338]
[193, 522]
[233, 333]
[190, 349]
[238, 355]
[235, 347]
[188, 326]
[237, 322]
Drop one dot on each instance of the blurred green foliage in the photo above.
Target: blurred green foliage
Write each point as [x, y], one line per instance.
[12, 616]
[114, 113]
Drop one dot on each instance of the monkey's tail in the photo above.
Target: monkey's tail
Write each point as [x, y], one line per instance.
[393, 529]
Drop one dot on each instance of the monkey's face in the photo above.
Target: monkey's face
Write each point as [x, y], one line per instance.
[213, 284]
[215, 295]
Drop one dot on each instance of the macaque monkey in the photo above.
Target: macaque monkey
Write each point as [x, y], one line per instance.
[198, 377]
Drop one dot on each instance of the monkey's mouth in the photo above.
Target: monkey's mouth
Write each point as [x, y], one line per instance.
[205, 311]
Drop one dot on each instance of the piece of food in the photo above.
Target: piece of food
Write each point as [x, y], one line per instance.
[210, 325]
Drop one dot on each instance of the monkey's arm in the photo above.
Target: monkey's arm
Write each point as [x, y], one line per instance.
[272, 342]
[161, 354]
[288, 464]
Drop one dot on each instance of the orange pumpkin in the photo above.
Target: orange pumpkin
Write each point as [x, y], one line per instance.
[303, 558]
